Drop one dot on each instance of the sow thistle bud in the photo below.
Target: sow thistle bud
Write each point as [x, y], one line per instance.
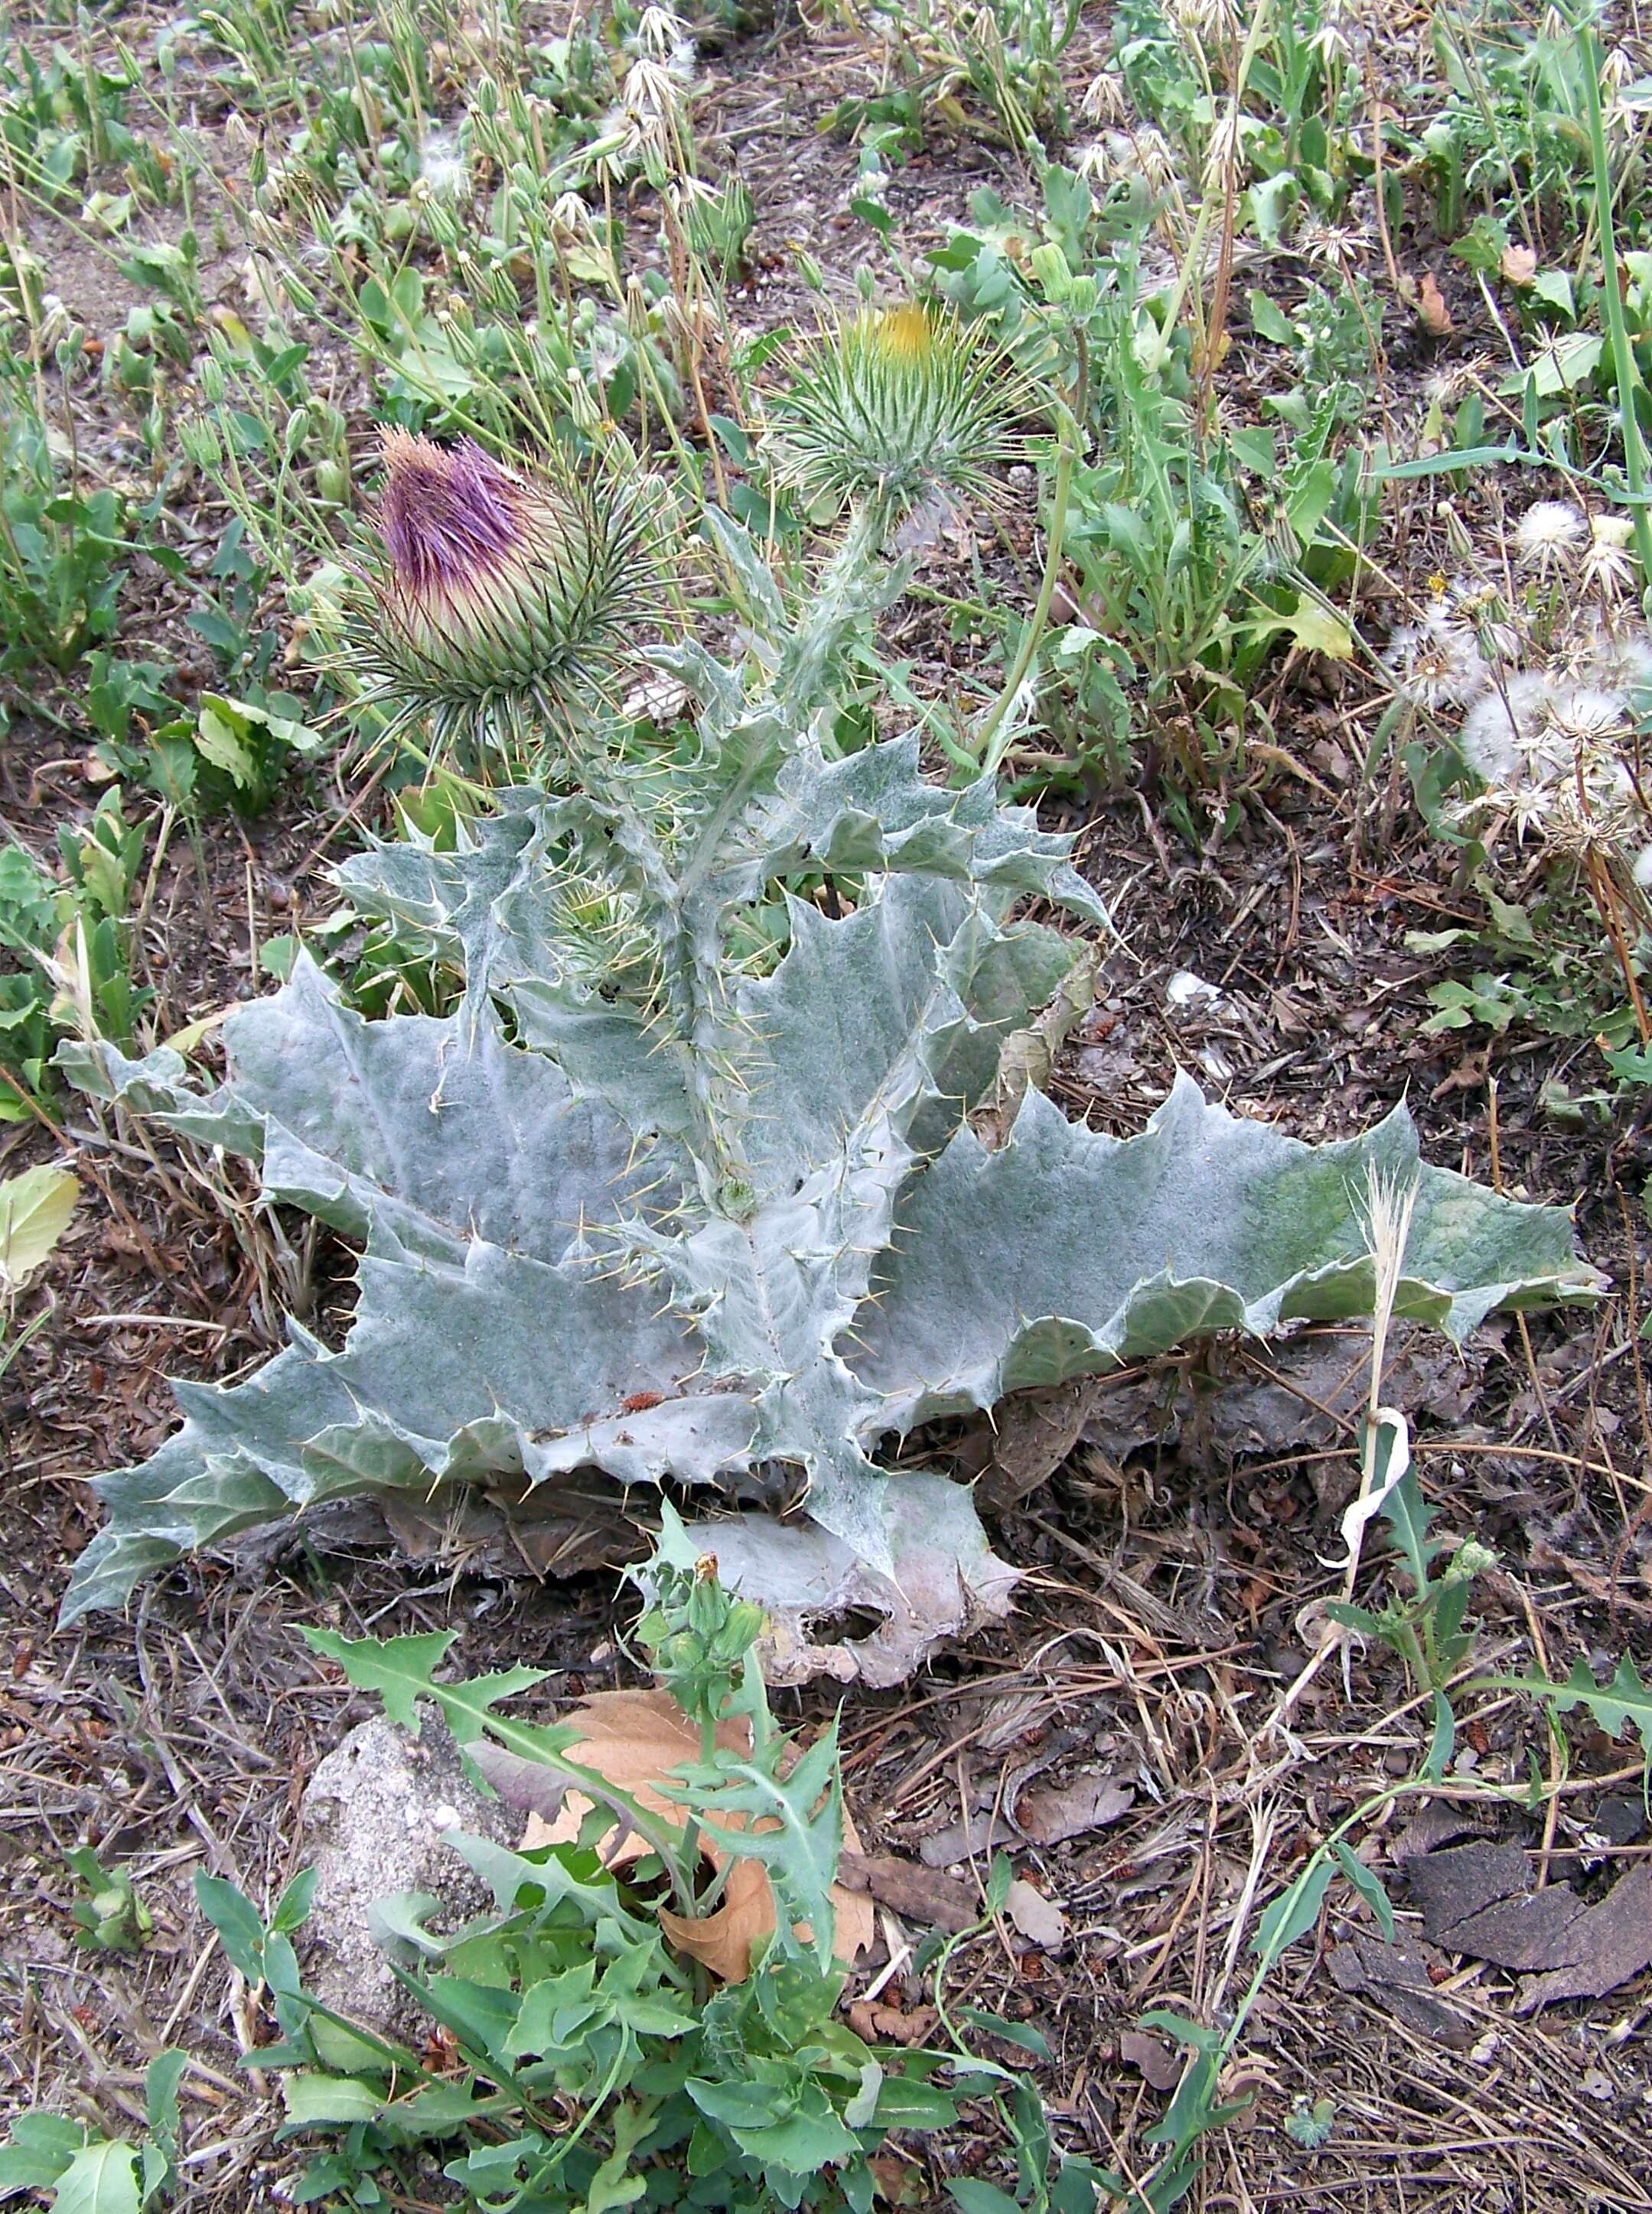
[504, 601]
[898, 408]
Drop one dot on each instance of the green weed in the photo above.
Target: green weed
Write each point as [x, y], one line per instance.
[60, 542]
[70, 940]
[582, 1993]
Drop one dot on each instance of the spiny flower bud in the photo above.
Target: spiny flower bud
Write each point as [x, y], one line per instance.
[900, 405]
[502, 598]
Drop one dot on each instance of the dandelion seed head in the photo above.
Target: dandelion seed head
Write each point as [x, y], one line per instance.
[1331, 42]
[650, 89]
[443, 169]
[1477, 605]
[1548, 536]
[1144, 153]
[1490, 739]
[571, 218]
[1588, 716]
[1205, 24]
[659, 30]
[1437, 662]
[1223, 148]
[1620, 661]
[1104, 99]
[1336, 246]
[1609, 567]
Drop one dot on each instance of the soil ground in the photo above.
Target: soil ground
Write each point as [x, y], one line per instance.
[1167, 1565]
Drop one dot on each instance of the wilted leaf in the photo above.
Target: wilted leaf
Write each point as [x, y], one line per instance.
[722, 1942]
[921, 1895]
[879, 2024]
[962, 1840]
[1519, 265]
[1397, 1977]
[1050, 1812]
[1431, 309]
[946, 1581]
[1160, 2064]
[1036, 1917]
[34, 1212]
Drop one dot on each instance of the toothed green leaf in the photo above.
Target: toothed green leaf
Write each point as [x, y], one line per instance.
[1623, 1702]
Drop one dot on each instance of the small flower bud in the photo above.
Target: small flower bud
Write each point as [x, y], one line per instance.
[1048, 266]
[198, 438]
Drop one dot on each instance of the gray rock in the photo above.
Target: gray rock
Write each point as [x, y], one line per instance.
[377, 1814]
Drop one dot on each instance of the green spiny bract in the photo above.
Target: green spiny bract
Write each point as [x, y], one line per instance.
[737, 1230]
[503, 603]
[899, 407]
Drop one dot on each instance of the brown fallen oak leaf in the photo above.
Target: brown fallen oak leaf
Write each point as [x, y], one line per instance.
[1160, 2064]
[960, 1841]
[898, 2182]
[633, 1739]
[889, 2025]
[1049, 1814]
[1477, 1900]
[1037, 1918]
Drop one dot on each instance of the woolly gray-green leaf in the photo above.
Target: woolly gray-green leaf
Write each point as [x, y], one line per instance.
[1068, 1250]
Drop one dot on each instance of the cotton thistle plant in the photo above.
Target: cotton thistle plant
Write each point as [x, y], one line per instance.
[503, 603]
[896, 409]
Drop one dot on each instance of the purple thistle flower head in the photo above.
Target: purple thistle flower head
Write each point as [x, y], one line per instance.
[503, 600]
[450, 516]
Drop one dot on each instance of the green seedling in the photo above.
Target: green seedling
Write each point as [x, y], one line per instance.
[111, 1918]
